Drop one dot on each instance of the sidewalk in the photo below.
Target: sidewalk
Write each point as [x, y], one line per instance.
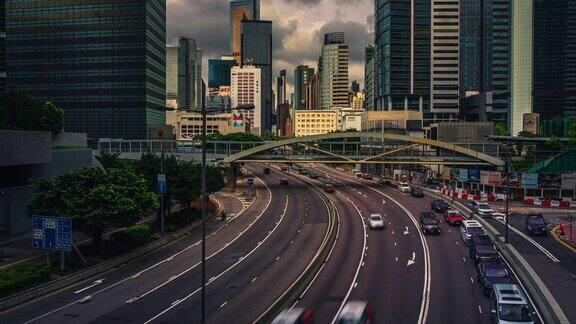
[565, 235]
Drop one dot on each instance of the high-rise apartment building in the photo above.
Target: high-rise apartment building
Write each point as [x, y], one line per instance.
[445, 39]
[401, 64]
[219, 72]
[183, 74]
[522, 68]
[241, 10]
[501, 58]
[246, 89]
[333, 72]
[369, 52]
[2, 45]
[281, 88]
[104, 63]
[257, 49]
[313, 93]
[302, 74]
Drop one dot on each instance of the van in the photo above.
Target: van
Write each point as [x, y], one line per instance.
[469, 228]
[509, 305]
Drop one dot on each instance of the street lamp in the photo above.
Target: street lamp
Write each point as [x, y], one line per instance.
[205, 113]
[506, 174]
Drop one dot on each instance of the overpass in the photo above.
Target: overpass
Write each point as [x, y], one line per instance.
[346, 148]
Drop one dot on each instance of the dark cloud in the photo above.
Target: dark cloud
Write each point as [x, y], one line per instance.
[305, 2]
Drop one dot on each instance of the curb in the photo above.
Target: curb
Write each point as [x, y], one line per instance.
[543, 299]
[561, 240]
[64, 282]
[297, 289]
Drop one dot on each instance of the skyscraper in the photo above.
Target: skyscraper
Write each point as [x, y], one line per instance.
[103, 63]
[2, 45]
[313, 93]
[302, 74]
[282, 107]
[219, 72]
[369, 53]
[241, 10]
[445, 38]
[281, 88]
[183, 74]
[501, 58]
[257, 48]
[246, 90]
[333, 72]
[522, 68]
[355, 87]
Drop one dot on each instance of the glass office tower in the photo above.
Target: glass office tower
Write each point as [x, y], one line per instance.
[2, 45]
[219, 72]
[103, 63]
[241, 10]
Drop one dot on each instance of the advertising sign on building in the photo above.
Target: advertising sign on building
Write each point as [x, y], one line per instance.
[447, 174]
[463, 175]
[490, 178]
[530, 180]
[569, 181]
[550, 181]
[484, 177]
[474, 175]
[238, 119]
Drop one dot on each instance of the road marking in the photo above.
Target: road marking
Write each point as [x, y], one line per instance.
[176, 302]
[291, 242]
[223, 304]
[362, 263]
[536, 244]
[479, 309]
[277, 258]
[449, 231]
[457, 243]
[395, 244]
[85, 299]
[355, 284]
[396, 259]
[129, 301]
[464, 259]
[471, 280]
[383, 201]
[406, 232]
[96, 283]
[412, 261]
[255, 278]
[392, 232]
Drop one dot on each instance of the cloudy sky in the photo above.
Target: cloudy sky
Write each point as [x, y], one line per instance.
[299, 26]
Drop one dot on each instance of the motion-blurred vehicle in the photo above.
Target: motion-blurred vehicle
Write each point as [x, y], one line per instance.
[385, 181]
[328, 188]
[429, 223]
[366, 176]
[356, 312]
[357, 173]
[491, 272]
[469, 228]
[509, 305]
[536, 225]
[375, 221]
[403, 187]
[284, 168]
[284, 182]
[453, 217]
[482, 209]
[439, 205]
[417, 192]
[295, 316]
[266, 170]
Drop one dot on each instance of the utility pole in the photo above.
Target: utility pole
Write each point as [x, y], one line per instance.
[507, 212]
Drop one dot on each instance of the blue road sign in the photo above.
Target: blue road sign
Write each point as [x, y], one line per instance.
[161, 184]
[52, 233]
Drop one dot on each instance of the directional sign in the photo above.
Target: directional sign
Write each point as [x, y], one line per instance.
[161, 183]
[52, 233]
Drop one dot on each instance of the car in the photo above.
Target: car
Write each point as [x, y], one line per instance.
[385, 182]
[469, 228]
[482, 208]
[491, 272]
[356, 312]
[284, 182]
[284, 168]
[357, 173]
[313, 175]
[403, 186]
[295, 316]
[266, 170]
[536, 224]
[453, 217]
[417, 192]
[439, 205]
[482, 248]
[328, 188]
[429, 223]
[375, 221]
[510, 305]
[366, 176]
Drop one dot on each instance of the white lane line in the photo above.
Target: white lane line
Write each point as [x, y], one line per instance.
[457, 243]
[96, 283]
[392, 232]
[355, 285]
[176, 302]
[411, 262]
[225, 271]
[255, 278]
[536, 244]
[479, 309]
[471, 280]
[364, 248]
[277, 258]
[223, 304]
[424, 307]
[395, 244]
[464, 259]
[396, 259]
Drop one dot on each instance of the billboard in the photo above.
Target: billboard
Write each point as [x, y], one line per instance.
[569, 181]
[447, 174]
[491, 178]
[474, 175]
[238, 119]
[530, 180]
[463, 175]
[550, 181]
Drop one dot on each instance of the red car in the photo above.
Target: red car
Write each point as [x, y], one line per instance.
[453, 217]
[329, 188]
[367, 176]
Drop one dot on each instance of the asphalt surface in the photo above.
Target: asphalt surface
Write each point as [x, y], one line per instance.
[252, 260]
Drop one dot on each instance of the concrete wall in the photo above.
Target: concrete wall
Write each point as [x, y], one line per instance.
[13, 202]
[62, 162]
[70, 139]
[24, 147]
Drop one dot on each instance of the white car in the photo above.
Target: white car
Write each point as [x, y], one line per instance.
[482, 208]
[469, 228]
[376, 221]
[404, 187]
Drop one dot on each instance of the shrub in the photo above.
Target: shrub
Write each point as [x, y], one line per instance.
[131, 237]
[22, 276]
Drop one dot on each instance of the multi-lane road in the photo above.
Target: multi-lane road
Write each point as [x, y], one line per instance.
[256, 255]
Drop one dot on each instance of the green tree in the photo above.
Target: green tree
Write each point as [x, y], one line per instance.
[501, 130]
[21, 111]
[554, 143]
[572, 131]
[96, 199]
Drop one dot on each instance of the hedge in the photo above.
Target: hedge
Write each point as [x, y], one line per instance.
[131, 237]
[22, 276]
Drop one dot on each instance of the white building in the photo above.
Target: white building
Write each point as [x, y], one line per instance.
[333, 72]
[349, 119]
[245, 89]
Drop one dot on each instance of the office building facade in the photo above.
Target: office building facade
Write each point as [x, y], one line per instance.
[313, 93]
[333, 71]
[302, 75]
[183, 74]
[219, 72]
[2, 45]
[369, 52]
[103, 63]
[245, 89]
[281, 88]
[241, 10]
[257, 48]
[315, 122]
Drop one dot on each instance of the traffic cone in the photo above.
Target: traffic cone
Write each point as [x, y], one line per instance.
[561, 229]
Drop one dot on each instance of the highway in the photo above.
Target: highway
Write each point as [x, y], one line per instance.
[252, 260]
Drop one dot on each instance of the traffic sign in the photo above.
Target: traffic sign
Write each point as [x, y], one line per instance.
[52, 233]
[161, 183]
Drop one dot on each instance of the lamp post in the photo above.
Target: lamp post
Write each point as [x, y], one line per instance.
[507, 210]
